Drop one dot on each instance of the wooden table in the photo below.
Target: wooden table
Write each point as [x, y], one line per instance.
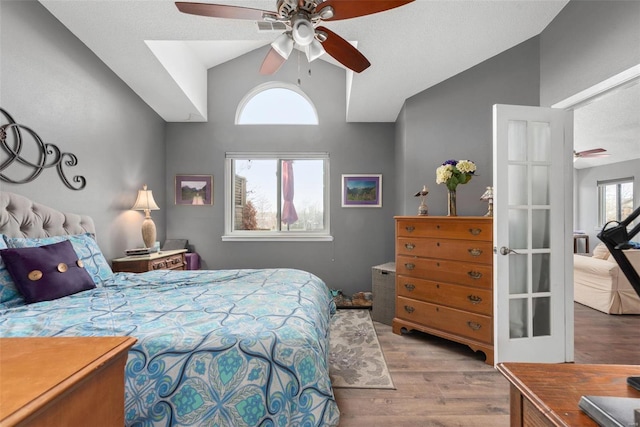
[548, 394]
[577, 237]
[73, 381]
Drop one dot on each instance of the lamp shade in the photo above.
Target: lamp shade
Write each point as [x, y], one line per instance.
[283, 45]
[314, 50]
[145, 201]
[488, 194]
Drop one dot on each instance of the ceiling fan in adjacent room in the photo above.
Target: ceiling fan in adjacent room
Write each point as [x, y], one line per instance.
[302, 20]
[596, 152]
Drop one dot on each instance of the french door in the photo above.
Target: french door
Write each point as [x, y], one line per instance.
[533, 273]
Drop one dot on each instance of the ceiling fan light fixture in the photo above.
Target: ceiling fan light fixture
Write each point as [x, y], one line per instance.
[314, 50]
[283, 45]
[302, 30]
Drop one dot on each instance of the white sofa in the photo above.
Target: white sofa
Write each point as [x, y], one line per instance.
[599, 283]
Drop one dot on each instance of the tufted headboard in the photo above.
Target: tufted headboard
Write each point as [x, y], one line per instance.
[21, 217]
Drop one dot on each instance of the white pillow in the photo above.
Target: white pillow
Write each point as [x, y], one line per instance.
[601, 251]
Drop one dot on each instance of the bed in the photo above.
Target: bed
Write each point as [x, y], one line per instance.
[218, 347]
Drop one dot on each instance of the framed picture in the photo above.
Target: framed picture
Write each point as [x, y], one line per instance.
[195, 190]
[361, 190]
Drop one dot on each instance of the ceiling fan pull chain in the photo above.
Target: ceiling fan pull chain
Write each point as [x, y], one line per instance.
[299, 81]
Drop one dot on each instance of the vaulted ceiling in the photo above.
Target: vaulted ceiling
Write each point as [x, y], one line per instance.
[163, 55]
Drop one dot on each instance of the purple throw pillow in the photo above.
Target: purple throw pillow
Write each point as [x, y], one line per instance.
[47, 272]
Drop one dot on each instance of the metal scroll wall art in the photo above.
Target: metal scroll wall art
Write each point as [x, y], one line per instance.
[48, 155]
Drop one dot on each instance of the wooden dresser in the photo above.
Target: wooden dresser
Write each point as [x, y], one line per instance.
[164, 260]
[72, 381]
[444, 278]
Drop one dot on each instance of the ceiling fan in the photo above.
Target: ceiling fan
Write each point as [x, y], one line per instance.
[596, 152]
[302, 19]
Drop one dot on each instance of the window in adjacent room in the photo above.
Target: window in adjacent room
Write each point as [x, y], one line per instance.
[277, 196]
[276, 103]
[615, 200]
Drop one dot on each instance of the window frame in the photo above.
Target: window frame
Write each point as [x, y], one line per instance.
[269, 86]
[252, 236]
[602, 203]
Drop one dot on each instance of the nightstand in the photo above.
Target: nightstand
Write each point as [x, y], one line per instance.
[163, 260]
[69, 381]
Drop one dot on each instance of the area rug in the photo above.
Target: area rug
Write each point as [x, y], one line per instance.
[355, 357]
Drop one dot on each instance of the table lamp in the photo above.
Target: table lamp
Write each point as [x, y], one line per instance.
[145, 203]
[488, 196]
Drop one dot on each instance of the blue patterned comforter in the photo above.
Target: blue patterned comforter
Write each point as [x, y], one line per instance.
[215, 348]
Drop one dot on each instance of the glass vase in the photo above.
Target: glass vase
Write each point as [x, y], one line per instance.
[451, 199]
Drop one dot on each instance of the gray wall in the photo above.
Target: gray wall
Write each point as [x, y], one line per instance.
[586, 197]
[453, 120]
[589, 41]
[363, 237]
[52, 83]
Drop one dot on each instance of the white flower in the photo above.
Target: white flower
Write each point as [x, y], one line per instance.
[444, 174]
[455, 172]
[465, 166]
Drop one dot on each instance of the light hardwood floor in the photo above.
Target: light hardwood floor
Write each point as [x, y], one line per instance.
[444, 384]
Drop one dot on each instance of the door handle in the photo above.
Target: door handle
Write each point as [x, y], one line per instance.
[506, 251]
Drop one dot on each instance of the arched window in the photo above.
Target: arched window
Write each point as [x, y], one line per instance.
[276, 103]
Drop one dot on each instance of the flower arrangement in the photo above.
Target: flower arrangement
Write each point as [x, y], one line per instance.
[454, 172]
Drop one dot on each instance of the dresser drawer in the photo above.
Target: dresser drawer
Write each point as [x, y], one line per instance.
[462, 297]
[451, 320]
[457, 250]
[469, 228]
[174, 262]
[456, 272]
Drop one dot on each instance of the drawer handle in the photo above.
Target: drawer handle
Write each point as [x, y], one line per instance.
[475, 231]
[474, 325]
[409, 287]
[408, 309]
[410, 266]
[475, 275]
[409, 246]
[474, 299]
[475, 252]
[409, 228]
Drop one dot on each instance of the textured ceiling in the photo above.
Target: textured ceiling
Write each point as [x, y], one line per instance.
[164, 55]
[610, 121]
[411, 48]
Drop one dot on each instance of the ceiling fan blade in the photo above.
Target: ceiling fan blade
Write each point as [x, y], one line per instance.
[224, 11]
[272, 62]
[345, 9]
[590, 152]
[343, 51]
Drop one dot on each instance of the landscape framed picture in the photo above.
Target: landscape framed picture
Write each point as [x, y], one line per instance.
[361, 190]
[195, 190]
